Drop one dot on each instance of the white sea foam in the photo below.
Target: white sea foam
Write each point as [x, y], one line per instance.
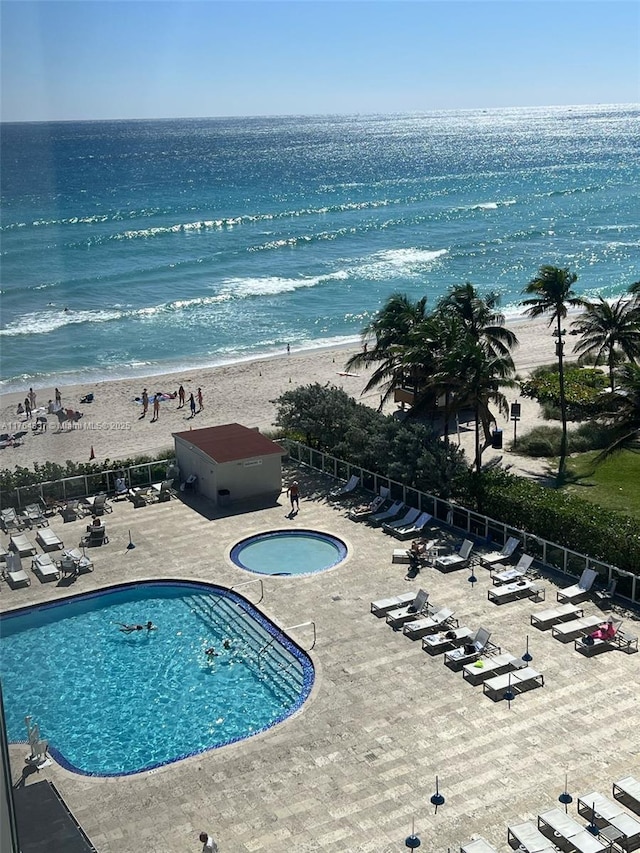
[40, 323]
[404, 263]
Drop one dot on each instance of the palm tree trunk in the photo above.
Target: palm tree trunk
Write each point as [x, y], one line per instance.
[611, 361]
[563, 402]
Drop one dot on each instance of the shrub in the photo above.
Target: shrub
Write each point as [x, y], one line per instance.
[583, 390]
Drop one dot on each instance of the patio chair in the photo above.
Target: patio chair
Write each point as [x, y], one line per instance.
[501, 574]
[567, 631]
[142, 496]
[43, 566]
[579, 590]
[413, 610]
[563, 613]
[517, 680]
[477, 646]
[359, 513]
[20, 544]
[407, 520]
[98, 504]
[508, 549]
[34, 514]
[384, 605]
[627, 790]
[417, 628]
[588, 645]
[527, 838]
[120, 488]
[94, 538]
[443, 641]
[394, 511]
[346, 489]
[413, 529]
[604, 813]
[567, 833]
[484, 668]
[164, 490]
[459, 560]
[14, 574]
[70, 511]
[48, 540]
[10, 520]
[524, 588]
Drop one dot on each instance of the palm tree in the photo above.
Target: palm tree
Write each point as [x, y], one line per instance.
[627, 417]
[480, 318]
[384, 341]
[609, 331]
[551, 293]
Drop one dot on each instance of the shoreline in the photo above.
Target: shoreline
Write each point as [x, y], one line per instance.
[112, 426]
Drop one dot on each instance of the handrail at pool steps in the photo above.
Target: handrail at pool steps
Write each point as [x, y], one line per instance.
[245, 583]
[304, 625]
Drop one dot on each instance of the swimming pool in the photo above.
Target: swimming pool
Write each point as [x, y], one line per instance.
[289, 552]
[112, 703]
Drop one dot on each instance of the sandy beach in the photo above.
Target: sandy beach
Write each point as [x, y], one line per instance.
[112, 425]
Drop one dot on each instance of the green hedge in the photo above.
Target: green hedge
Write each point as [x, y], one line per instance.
[564, 519]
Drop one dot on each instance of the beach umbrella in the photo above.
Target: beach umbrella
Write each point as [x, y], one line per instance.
[437, 799]
[565, 797]
[592, 828]
[412, 842]
[509, 695]
[526, 657]
[130, 546]
[92, 455]
[472, 579]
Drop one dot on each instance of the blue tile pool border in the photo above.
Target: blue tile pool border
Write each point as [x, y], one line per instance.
[308, 670]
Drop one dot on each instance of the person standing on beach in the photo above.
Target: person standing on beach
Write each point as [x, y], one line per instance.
[145, 402]
[156, 406]
[180, 397]
[288, 348]
[192, 405]
[32, 398]
[208, 843]
[58, 397]
[27, 407]
[200, 403]
[294, 494]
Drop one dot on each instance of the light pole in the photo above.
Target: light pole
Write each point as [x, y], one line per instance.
[515, 417]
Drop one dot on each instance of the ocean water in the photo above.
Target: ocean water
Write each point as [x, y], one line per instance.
[131, 248]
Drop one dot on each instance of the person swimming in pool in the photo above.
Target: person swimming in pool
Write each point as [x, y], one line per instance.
[128, 629]
[211, 654]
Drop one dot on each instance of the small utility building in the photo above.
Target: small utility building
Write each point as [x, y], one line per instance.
[231, 463]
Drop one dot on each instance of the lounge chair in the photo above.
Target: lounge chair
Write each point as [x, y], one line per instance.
[74, 562]
[142, 496]
[602, 812]
[120, 489]
[98, 504]
[43, 566]
[450, 562]
[563, 613]
[508, 549]
[71, 510]
[627, 790]
[14, 574]
[394, 511]
[10, 520]
[619, 640]
[478, 645]
[417, 628]
[48, 540]
[480, 845]
[384, 605]
[406, 521]
[413, 529]
[501, 574]
[362, 512]
[604, 596]
[346, 489]
[414, 610]
[34, 514]
[524, 588]
[426, 552]
[579, 590]
[567, 631]
[20, 545]
[518, 680]
[526, 837]
[484, 668]
[94, 538]
[436, 644]
[568, 834]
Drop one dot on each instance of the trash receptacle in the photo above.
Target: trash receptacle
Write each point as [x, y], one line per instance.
[496, 439]
[224, 497]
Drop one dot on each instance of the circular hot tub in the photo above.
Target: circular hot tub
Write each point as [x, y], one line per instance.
[289, 552]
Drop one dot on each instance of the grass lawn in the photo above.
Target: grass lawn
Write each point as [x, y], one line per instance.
[614, 484]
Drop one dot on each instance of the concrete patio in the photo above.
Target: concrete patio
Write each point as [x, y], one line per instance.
[358, 763]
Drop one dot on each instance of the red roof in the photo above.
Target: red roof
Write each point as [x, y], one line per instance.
[230, 442]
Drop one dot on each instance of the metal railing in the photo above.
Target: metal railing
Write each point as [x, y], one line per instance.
[246, 583]
[304, 625]
[551, 555]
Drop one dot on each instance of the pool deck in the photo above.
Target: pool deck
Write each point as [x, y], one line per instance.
[358, 763]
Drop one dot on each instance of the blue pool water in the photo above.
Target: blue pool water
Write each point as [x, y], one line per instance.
[289, 552]
[111, 703]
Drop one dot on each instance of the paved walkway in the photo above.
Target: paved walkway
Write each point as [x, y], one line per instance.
[358, 763]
